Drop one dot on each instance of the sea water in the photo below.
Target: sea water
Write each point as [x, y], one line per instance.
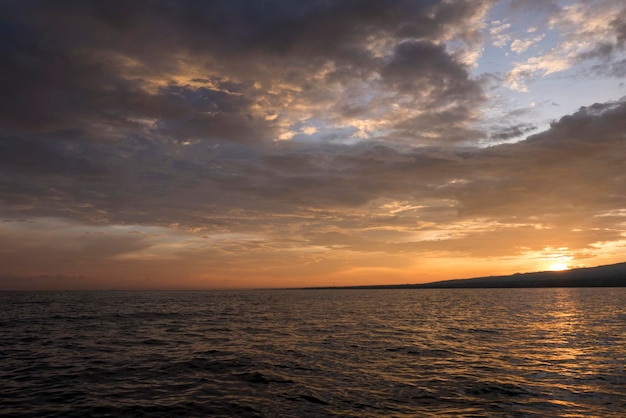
[314, 353]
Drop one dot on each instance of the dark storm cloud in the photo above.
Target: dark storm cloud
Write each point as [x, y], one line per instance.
[67, 70]
[98, 125]
[226, 134]
[562, 187]
[165, 112]
[573, 170]
[450, 125]
[420, 65]
[569, 171]
[46, 156]
[100, 68]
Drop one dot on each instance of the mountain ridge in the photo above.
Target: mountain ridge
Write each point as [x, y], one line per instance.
[610, 275]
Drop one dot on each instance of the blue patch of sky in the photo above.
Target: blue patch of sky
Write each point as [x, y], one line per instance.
[547, 97]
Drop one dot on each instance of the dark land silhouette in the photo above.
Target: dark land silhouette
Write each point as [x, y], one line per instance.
[613, 275]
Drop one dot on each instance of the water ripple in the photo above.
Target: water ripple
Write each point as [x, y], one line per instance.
[446, 352]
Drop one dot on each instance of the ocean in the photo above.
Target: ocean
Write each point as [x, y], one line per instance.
[314, 353]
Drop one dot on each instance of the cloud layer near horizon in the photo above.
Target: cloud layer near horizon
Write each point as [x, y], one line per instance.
[337, 141]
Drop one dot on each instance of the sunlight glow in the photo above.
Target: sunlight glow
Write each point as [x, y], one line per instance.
[558, 267]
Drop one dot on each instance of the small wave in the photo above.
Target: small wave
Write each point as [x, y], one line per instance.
[320, 353]
[313, 399]
[260, 378]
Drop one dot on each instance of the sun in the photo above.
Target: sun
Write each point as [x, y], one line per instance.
[558, 266]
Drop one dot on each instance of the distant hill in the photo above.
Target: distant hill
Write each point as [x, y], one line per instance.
[613, 275]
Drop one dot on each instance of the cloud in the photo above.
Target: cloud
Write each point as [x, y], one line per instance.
[230, 71]
[229, 212]
[227, 134]
[105, 115]
[521, 45]
[201, 187]
[499, 33]
[51, 243]
[589, 31]
[511, 132]
[433, 67]
[587, 141]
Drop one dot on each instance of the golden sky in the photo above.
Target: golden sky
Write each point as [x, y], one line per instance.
[235, 144]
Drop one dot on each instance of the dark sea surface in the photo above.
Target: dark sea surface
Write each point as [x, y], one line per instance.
[315, 353]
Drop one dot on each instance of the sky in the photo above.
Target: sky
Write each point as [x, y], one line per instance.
[250, 144]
